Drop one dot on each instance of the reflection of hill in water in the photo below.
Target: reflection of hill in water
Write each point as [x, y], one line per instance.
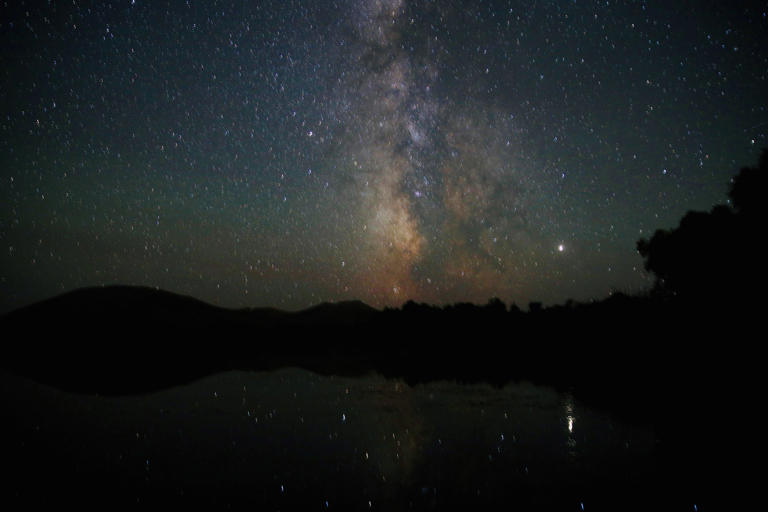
[292, 439]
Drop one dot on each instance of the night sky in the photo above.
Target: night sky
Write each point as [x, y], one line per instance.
[288, 153]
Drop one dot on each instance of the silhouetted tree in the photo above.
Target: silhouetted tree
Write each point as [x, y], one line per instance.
[712, 254]
[748, 186]
[496, 306]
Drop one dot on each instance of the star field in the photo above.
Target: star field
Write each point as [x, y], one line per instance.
[288, 153]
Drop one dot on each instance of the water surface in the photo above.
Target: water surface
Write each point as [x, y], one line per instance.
[292, 438]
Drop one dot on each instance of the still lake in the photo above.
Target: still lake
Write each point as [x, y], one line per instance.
[293, 439]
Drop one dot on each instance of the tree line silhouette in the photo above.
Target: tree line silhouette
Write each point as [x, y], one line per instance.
[713, 255]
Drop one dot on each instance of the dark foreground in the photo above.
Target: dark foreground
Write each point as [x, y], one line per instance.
[683, 377]
[293, 440]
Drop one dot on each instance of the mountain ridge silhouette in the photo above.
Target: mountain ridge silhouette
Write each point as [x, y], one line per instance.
[166, 337]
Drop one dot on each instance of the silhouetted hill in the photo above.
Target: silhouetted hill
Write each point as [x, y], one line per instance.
[341, 314]
[124, 339]
[114, 307]
[118, 309]
[343, 310]
[138, 329]
[129, 339]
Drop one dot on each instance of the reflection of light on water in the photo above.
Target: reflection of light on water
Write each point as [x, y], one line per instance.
[569, 412]
[570, 418]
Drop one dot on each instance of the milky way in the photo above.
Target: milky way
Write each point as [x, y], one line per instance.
[439, 177]
[288, 153]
